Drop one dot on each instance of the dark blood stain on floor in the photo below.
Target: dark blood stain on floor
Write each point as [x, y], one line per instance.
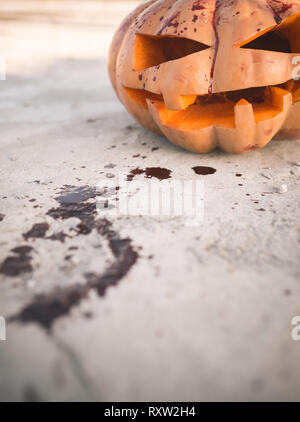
[203, 170]
[159, 173]
[76, 194]
[83, 211]
[38, 230]
[125, 256]
[18, 262]
[47, 308]
[134, 173]
[60, 236]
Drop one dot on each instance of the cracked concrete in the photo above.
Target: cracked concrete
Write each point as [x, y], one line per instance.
[203, 313]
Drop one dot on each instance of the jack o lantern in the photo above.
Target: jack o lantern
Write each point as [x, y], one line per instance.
[211, 73]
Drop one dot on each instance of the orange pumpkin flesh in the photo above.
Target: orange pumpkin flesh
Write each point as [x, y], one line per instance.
[211, 73]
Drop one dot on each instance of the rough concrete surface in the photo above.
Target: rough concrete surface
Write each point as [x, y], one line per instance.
[132, 308]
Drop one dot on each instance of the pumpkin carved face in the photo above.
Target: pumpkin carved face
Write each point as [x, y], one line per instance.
[211, 73]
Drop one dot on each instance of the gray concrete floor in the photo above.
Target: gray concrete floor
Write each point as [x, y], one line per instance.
[137, 308]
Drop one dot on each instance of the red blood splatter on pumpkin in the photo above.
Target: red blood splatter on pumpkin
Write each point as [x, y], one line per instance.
[197, 6]
[172, 21]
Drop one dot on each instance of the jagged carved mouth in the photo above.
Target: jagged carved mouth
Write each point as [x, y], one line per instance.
[219, 109]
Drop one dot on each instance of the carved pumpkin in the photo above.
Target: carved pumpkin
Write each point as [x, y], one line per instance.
[211, 73]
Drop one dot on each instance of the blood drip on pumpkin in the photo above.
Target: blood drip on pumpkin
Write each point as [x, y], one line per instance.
[172, 21]
[197, 6]
[217, 44]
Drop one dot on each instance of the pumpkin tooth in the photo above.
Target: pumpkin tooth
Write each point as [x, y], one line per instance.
[244, 116]
[187, 100]
[293, 86]
[278, 97]
[296, 93]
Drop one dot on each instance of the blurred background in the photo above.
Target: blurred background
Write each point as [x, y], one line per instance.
[55, 54]
[38, 33]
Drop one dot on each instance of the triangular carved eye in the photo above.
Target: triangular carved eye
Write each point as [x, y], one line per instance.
[271, 41]
[151, 51]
